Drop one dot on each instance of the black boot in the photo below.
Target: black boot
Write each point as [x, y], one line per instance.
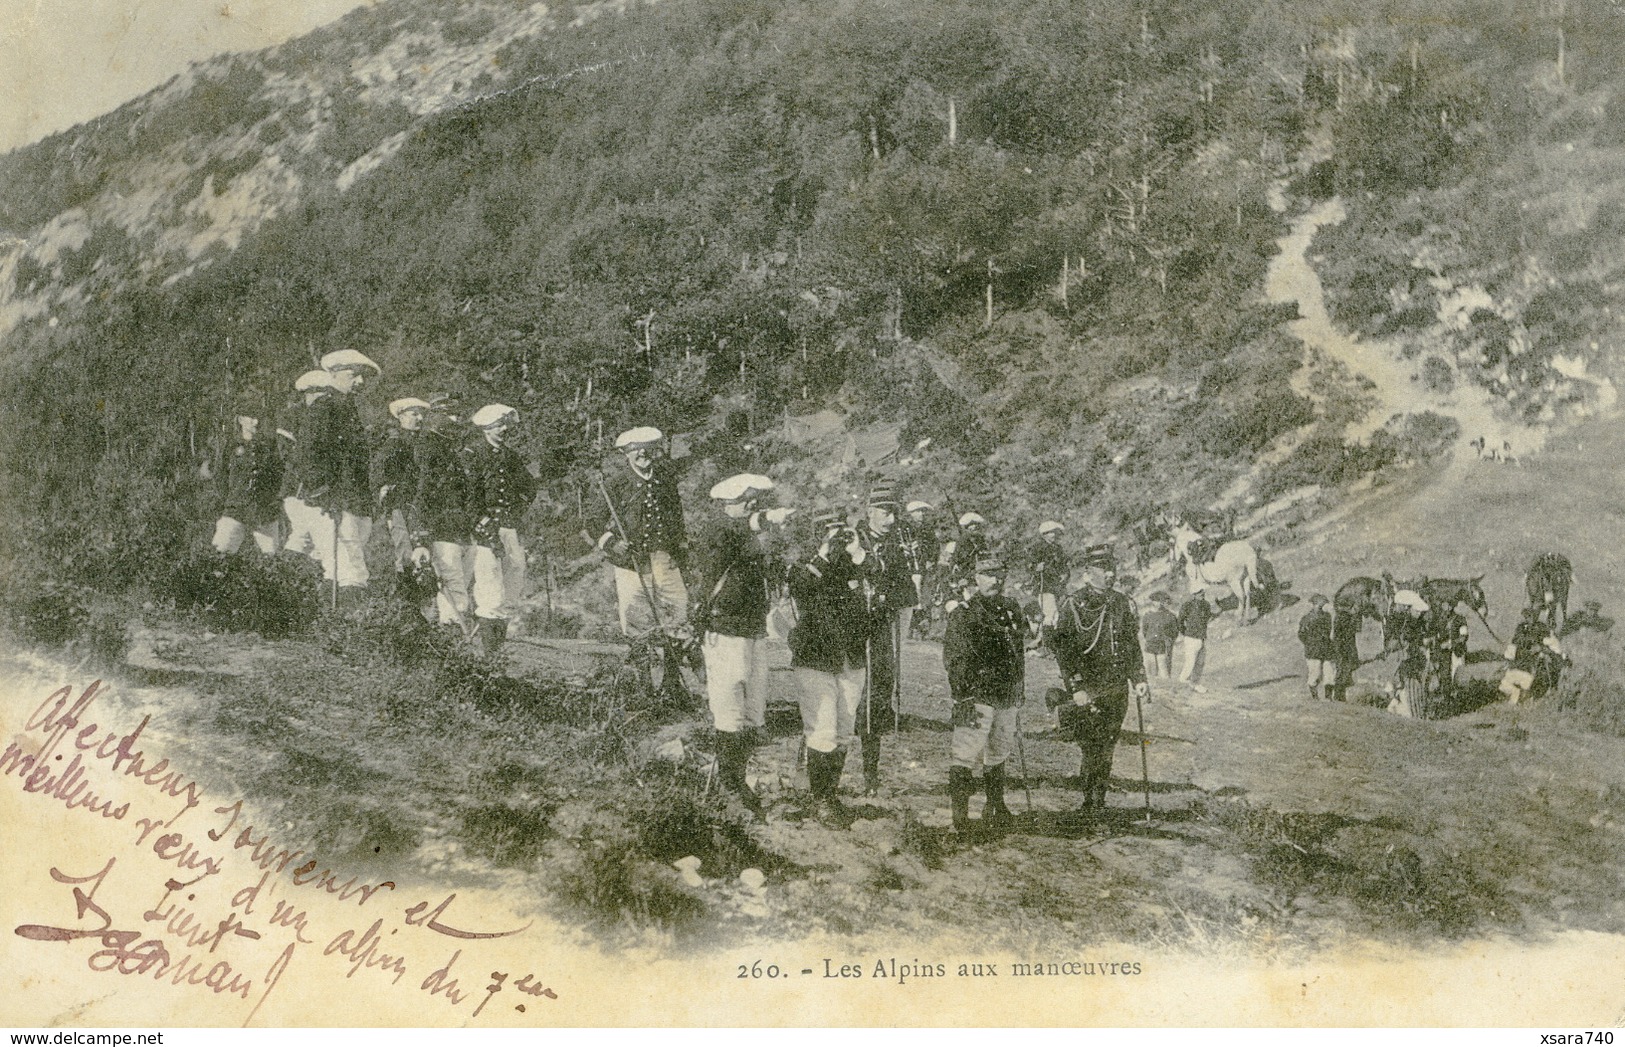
[733, 756]
[961, 783]
[993, 784]
[871, 764]
[827, 806]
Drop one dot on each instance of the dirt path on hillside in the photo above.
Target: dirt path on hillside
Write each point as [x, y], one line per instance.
[1394, 384]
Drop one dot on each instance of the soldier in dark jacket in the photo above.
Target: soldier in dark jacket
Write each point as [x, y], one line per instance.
[890, 586]
[439, 513]
[920, 542]
[650, 553]
[1319, 655]
[331, 464]
[968, 547]
[731, 614]
[984, 651]
[1096, 644]
[827, 656]
[394, 473]
[1050, 567]
[500, 490]
[251, 485]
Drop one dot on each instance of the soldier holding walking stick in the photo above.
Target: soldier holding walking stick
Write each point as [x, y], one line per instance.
[1097, 646]
[984, 651]
[889, 578]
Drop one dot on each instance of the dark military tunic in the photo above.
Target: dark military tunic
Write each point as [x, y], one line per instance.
[832, 625]
[1096, 641]
[970, 547]
[1097, 646]
[395, 470]
[500, 488]
[984, 653]
[652, 513]
[733, 580]
[1049, 566]
[1315, 633]
[251, 481]
[920, 544]
[440, 509]
[330, 459]
[890, 571]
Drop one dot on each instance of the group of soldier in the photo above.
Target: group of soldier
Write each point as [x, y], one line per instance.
[449, 493]
[854, 591]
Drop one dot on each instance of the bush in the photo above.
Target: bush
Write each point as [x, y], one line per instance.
[276, 597]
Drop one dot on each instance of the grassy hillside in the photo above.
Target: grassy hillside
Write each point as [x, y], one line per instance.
[1035, 235]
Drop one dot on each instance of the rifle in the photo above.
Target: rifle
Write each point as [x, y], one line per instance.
[647, 584]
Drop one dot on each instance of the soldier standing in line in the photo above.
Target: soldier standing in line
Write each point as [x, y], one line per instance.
[963, 553]
[890, 587]
[731, 615]
[440, 514]
[251, 482]
[305, 521]
[1319, 655]
[827, 657]
[335, 472]
[644, 538]
[1194, 615]
[984, 651]
[1159, 629]
[1097, 647]
[924, 547]
[1049, 569]
[394, 473]
[500, 490]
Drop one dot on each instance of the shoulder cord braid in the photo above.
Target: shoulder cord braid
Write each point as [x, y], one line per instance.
[1099, 627]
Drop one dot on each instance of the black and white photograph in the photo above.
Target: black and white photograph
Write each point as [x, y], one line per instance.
[900, 513]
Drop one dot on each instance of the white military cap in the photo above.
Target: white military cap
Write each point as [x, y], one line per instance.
[491, 414]
[1049, 526]
[642, 436]
[313, 380]
[915, 507]
[406, 403]
[740, 486]
[971, 518]
[347, 358]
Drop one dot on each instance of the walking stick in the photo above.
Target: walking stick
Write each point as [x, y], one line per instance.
[897, 675]
[1021, 754]
[335, 562]
[1145, 770]
[647, 584]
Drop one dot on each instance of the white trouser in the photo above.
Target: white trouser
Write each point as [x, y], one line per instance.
[451, 567]
[305, 523]
[340, 547]
[499, 578]
[829, 707]
[735, 681]
[665, 581]
[1050, 607]
[991, 739]
[229, 534]
[350, 557]
[1320, 671]
[1192, 672]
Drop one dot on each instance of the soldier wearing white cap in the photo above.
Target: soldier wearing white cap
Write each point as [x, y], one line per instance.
[440, 514]
[732, 576]
[250, 479]
[394, 473]
[984, 653]
[644, 536]
[1050, 569]
[333, 466]
[330, 495]
[501, 489]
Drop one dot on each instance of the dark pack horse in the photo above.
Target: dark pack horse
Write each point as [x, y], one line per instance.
[1356, 600]
[1547, 583]
[1449, 592]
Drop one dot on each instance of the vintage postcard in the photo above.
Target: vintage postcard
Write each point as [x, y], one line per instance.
[740, 512]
